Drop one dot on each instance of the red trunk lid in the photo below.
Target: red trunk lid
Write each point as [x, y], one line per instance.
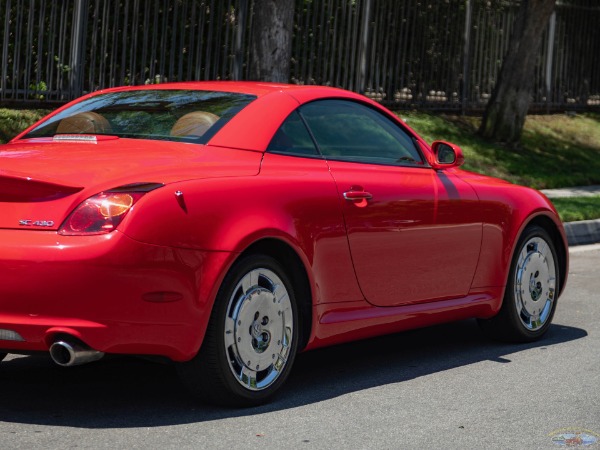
[42, 180]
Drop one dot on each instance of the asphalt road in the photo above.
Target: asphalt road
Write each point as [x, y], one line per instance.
[445, 387]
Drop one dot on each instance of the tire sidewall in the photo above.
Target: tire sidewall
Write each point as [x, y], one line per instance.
[237, 272]
[509, 308]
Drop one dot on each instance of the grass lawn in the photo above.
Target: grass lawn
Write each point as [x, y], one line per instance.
[557, 150]
[577, 208]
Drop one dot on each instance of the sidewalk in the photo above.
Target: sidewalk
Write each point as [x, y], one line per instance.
[577, 191]
[585, 231]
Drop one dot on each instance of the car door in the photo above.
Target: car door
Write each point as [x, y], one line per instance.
[310, 197]
[409, 238]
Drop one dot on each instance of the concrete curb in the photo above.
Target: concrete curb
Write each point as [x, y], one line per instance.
[583, 232]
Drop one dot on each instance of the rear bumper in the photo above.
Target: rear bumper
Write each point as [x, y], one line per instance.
[115, 294]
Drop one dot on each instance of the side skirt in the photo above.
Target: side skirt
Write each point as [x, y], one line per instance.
[336, 323]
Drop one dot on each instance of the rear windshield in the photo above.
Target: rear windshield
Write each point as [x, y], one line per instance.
[174, 115]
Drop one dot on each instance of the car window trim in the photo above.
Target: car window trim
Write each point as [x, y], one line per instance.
[395, 120]
[318, 155]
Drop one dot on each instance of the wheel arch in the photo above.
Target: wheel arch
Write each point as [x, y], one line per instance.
[296, 270]
[507, 324]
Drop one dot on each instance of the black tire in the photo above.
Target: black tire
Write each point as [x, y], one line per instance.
[531, 291]
[251, 340]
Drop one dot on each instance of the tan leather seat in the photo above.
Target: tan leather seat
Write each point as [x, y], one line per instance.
[193, 124]
[84, 123]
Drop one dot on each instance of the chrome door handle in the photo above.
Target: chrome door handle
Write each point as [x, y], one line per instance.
[357, 195]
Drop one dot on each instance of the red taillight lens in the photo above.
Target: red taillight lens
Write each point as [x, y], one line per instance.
[99, 214]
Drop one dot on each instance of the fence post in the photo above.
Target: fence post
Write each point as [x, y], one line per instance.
[5, 42]
[466, 57]
[238, 59]
[364, 43]
[77, 48]
[551, 34]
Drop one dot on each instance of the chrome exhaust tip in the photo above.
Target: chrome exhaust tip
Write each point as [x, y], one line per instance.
[67, 354]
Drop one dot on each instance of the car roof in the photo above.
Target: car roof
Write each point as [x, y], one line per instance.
[257, 88]
[254, 126]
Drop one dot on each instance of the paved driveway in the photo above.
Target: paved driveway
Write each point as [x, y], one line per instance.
[443, 387]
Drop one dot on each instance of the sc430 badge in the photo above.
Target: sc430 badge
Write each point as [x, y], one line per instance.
[36, 223]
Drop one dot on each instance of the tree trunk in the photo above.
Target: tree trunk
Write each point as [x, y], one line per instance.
[505, 113]
[271, 50]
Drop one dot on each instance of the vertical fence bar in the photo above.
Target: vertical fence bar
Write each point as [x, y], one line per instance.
[40, 51]
[215, 37]
[549, 60]
[240, 26]
[77, 47]
[192, 41]
[162, 56]
[199, 42]
[51, 52]
[29, 45]
[16, 56]
[103, 52]
[61, 68]
[93, 47]
[5, 41]
[153, 44]
[173, 50]
[123, 47]
[133, 49]
[183, 30]
[464, 91]
[207, 60]
[227, 57]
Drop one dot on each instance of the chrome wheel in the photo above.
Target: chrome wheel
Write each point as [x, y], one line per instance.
[259, 329]
[532, 290]
[535, 283]
[252, 336]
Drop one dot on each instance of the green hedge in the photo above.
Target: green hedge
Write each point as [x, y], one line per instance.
[12, 122]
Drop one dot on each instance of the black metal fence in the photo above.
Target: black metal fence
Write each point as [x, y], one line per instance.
[411, 53]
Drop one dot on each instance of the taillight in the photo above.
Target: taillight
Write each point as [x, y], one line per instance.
[100, 214]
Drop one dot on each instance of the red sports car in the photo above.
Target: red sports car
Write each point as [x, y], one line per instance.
[227, 226]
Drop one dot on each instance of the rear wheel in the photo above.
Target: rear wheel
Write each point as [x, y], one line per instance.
[531, 292]
[251, 339]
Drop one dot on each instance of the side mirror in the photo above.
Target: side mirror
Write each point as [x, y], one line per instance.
[447, 155]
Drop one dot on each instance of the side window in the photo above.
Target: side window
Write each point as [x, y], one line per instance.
[349, 131]
[293, 138]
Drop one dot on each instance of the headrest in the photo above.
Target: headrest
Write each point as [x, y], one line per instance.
[84, 123]
[194, 124]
